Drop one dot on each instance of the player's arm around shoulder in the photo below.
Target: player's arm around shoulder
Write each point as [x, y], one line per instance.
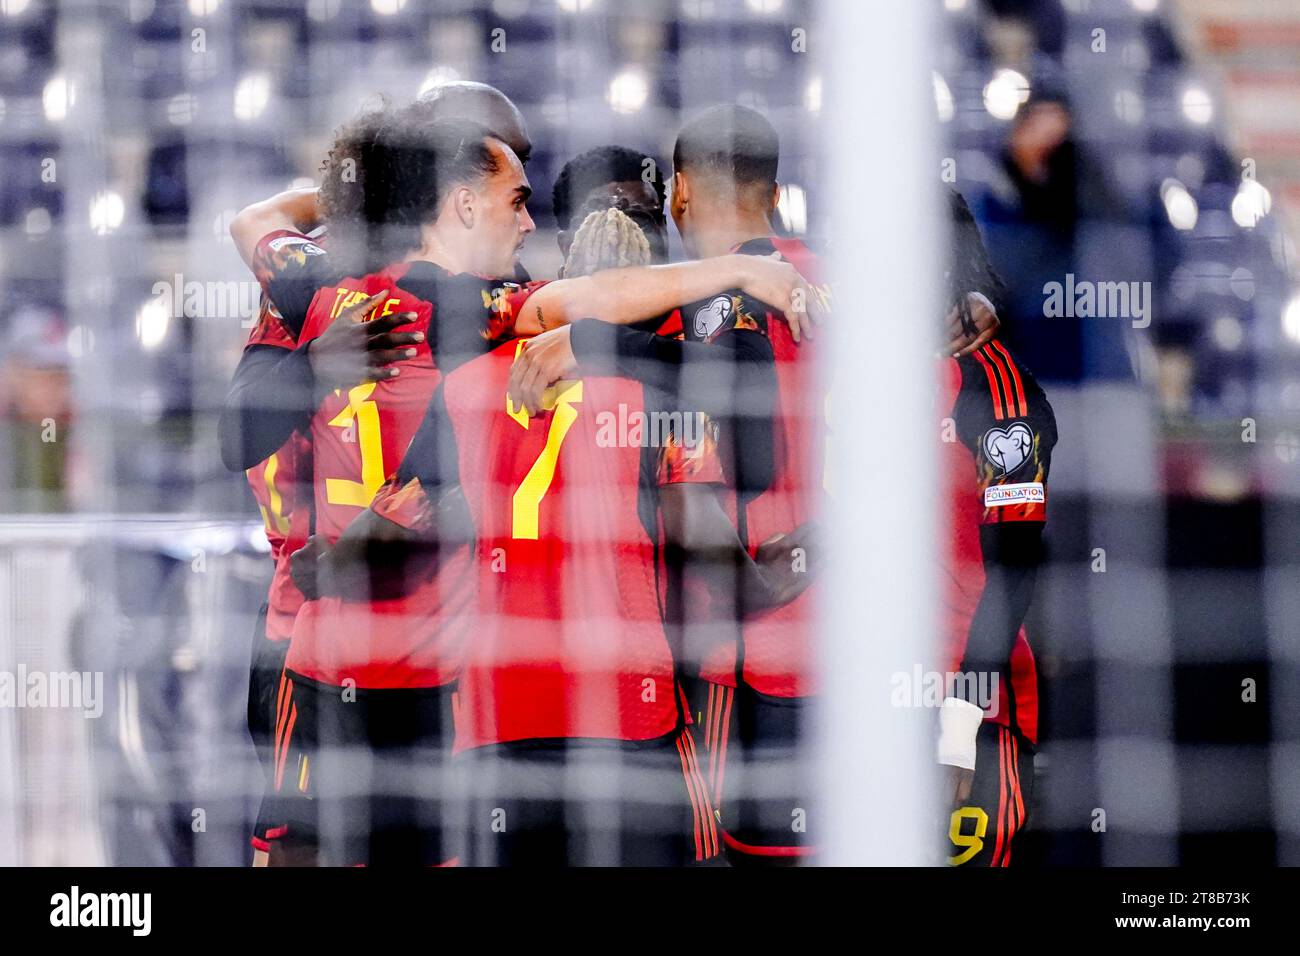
[292, 211]
[633, 294]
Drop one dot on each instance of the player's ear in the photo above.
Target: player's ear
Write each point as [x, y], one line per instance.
[565, 239]
[681, 194]
[463, 201]
[774, 200]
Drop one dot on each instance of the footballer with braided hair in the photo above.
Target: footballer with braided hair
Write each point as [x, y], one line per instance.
[607, 239]
[612, 177]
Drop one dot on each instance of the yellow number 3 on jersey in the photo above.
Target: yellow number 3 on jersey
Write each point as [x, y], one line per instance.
[365, 414]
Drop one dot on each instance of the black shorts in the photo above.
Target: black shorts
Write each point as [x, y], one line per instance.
[264, 675]
[588, 803]
[759, 774]
[364, 772]
[986, 829]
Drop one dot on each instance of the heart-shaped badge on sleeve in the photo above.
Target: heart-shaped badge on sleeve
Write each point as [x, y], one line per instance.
[1009, 447]
[710, 318]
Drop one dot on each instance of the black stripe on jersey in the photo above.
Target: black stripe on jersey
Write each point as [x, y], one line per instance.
[999, 377]
[984, 384]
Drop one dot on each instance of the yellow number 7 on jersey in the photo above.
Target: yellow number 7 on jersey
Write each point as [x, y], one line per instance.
[527, 502]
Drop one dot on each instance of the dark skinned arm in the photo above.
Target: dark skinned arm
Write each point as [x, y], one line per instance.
[378, 559]
[271, 396]
[1012, 554]
[699, 535]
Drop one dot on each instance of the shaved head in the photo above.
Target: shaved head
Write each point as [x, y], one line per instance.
[730, 146]
[482, 104]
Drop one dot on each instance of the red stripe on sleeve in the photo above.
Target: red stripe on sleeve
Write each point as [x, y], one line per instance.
[993, 386]
[1004, 379]
[1015, 377]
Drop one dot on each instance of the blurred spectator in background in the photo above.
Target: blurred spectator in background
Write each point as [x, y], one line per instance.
[1039, 162]
[37, 402]
[1050, 180]
[1029, 210]
[1045, 21]
[1043, 185]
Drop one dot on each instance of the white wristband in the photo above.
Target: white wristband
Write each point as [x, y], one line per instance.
[959, 723]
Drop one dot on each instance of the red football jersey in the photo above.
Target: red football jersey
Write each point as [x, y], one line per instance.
[358, 439]
[569, 641]
[281, 486]
[994, 470]
[778, 656]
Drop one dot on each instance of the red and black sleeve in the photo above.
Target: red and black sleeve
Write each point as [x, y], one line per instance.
[272, 394]
[291, 267]
[1004, 417]
[732, 381]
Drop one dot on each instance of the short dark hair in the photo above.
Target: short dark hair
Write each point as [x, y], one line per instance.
[408, 171]
[732, 141]
[598, 167]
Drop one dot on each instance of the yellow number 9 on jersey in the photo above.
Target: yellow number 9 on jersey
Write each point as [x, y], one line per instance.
[971, 842]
